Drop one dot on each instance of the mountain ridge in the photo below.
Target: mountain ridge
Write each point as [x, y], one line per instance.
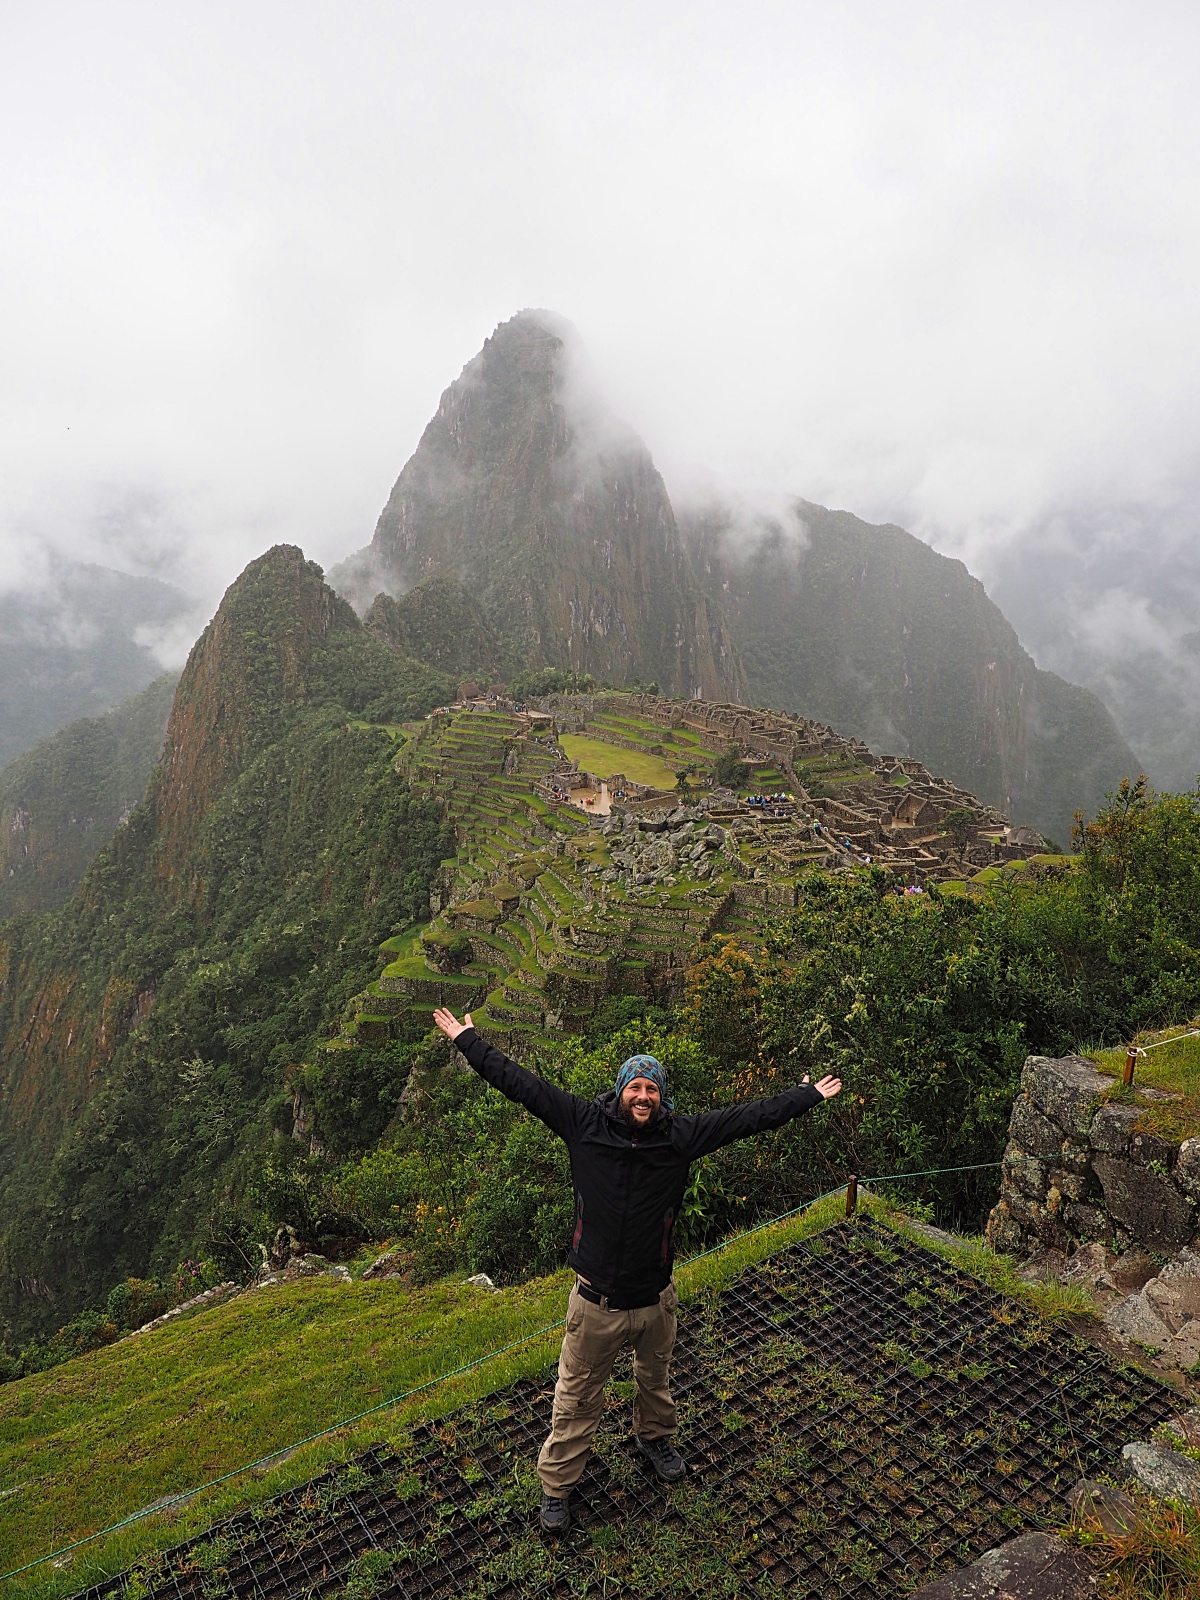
[146, 1026]
[62, 801]
[867, 628]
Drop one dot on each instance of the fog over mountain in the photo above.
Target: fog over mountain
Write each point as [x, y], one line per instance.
[934, 267]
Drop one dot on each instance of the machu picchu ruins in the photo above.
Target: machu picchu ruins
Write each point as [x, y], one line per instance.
[570, 886]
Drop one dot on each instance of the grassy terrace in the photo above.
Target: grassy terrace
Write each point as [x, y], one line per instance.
[594, 755]
[95, 1440]
[1171, 1063]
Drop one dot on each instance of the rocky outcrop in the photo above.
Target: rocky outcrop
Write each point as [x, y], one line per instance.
[1079, 1167]
[527, 490]
[1162, 1472]
[1035, 1566]
[1164, 1315]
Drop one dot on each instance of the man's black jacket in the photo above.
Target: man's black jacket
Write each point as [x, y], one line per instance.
[629, 1182]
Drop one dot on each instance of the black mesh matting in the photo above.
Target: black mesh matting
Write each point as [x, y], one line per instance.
[857, 1416]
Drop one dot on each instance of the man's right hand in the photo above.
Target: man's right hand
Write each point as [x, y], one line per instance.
[452, 1027]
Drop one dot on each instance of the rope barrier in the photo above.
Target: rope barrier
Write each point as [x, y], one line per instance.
[1190, 1034]
[443, 1377]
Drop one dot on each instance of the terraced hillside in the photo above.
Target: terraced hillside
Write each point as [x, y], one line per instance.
[569, 887]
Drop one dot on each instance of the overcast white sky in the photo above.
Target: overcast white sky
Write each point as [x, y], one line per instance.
[935, 263]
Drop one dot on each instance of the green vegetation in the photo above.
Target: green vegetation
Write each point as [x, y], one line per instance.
[94, 1441]
[230, 1010]
[550, 680]
[593, 755]
[1171, 1063]
[188, 1011]
[1158, 1559]
[440, 623]
[62, 801]
[730, 770]
[927, 1006]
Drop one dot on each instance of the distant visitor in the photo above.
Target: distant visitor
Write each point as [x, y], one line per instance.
[630, 1154]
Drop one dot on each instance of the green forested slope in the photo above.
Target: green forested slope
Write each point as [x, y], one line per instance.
[61, 801]
[147, 1028]
[69, 647]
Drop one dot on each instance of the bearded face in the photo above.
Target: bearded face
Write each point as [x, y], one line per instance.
[641, 1103]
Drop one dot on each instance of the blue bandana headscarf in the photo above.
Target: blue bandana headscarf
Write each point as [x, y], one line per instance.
[645, 1067]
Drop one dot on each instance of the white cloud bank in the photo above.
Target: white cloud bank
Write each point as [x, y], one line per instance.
[933, 263]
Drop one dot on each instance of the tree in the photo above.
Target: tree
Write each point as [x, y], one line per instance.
[959, 823]
[730, 771]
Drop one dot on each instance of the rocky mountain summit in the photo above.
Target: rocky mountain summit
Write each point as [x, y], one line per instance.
[552, 513]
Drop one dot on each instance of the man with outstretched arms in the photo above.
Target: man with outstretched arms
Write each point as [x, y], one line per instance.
[630, 1153]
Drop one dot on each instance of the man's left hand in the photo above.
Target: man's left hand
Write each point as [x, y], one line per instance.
[827, 1086]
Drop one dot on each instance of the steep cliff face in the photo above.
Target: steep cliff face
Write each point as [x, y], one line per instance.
[62, 801]
[871, 631]
[247, 669]
[552, 512]
[146, 1025]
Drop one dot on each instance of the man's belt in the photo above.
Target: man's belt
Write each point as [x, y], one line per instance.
[586, 1292]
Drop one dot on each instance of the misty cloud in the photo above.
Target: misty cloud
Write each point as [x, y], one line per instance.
[935, 265]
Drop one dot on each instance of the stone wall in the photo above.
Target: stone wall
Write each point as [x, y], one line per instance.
[1077, 1168]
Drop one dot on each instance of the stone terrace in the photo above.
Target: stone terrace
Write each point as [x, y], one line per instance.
[543, 911]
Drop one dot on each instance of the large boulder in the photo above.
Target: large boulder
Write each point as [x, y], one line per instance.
[1097, 1502]
[1035, 1566]
[1164, 1314]
[1164, 1473]
[1136, 1321]
[1175, 1292]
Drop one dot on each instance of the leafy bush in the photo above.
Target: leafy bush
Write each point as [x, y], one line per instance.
[550, 680]
[730, 771]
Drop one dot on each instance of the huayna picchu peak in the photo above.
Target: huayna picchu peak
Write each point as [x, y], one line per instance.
[553, 514]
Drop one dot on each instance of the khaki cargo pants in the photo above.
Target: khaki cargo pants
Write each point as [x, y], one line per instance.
[594, 1336]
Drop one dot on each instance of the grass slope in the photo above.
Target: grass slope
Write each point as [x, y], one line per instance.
[97, 1440]
[594, 755]
[1171, 1063]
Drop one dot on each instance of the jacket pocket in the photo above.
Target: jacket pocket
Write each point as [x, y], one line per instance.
[577, 1235]
[668, 1224]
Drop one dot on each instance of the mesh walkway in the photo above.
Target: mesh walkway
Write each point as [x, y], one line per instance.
[857, 1415]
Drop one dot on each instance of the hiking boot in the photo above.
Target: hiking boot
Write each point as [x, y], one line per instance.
[555, 1515]
[668, 1464]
